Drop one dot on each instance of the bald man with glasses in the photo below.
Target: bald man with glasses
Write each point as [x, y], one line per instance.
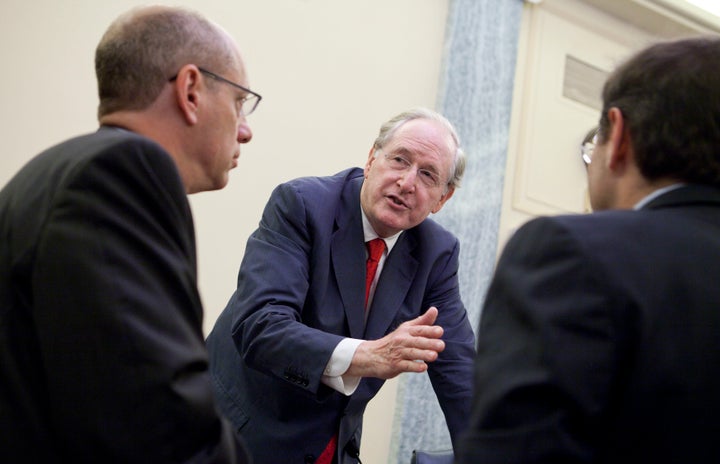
[102, 356]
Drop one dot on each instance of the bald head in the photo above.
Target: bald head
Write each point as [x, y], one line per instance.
[144, 48]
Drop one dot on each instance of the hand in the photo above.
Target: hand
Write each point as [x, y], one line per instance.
[407, 349]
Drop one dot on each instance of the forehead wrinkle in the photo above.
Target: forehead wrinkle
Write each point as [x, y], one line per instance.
[427, 135]
[424, 139]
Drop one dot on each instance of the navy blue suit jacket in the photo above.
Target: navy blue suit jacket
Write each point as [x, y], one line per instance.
[300, 291]
[600, 339]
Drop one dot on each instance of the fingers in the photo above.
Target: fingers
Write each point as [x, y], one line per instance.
[428, 318]
[407, 349]
[414, 366]
[426, 331]
[431, 344]
[418, 355]
[414, 350]
[415, 360]
[395, 353]
[422, 326]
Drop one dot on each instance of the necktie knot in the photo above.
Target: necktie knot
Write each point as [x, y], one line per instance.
[375, 247]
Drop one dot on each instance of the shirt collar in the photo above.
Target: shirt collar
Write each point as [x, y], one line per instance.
[369, 233]
[655, 194]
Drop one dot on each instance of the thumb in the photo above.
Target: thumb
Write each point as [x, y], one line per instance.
[428, 318]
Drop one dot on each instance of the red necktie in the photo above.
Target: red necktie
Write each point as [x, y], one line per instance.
[329, 452]
[375, 250]
[375, 247]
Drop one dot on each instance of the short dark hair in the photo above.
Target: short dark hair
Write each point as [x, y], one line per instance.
[669, 95]
[143, 48]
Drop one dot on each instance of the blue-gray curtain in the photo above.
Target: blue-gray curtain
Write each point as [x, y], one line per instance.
[476, 95]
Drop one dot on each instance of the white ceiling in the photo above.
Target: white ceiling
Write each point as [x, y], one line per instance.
[664, 18]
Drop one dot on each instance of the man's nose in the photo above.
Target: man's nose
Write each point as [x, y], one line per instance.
[244, 133]
[408, 179]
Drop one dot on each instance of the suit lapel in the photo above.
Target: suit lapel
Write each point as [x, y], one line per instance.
[348, 259]
[348, 256]
[393, 284]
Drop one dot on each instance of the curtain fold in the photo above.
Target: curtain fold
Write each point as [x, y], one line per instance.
[475, 94]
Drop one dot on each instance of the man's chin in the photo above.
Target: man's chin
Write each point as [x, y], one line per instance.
[391, 227]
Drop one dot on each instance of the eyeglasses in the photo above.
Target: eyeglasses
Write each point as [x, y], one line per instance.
[249, 102]
[587, 150]
[428, 178]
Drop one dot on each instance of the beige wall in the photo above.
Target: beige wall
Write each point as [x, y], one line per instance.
[330, 72]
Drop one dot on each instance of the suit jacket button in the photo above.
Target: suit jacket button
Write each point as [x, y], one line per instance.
[309, 459]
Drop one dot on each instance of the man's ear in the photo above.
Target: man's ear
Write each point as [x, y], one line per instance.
[620, 151]
[443, 199]
[370, 160]
[187, 92]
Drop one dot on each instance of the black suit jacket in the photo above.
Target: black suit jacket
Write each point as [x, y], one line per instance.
[301, 289]
[102, 357]
[600, 339]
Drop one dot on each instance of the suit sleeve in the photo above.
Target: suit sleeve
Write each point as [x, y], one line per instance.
[451, 373]
[272, 288]
[119, 316]
[546, 353]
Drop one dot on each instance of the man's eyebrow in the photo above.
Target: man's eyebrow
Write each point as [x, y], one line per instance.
[403, 151]
[409, 153]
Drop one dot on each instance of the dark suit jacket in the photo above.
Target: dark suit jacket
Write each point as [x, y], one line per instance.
[600, 339]
[102, 357]
[300, 291]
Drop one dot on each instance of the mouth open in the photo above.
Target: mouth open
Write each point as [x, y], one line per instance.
[397, 201]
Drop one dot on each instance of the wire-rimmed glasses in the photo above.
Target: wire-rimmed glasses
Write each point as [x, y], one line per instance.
[250, 101]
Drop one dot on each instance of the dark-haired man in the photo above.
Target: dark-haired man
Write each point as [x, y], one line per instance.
[598, 340]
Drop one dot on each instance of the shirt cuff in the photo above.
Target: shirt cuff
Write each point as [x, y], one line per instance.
[334, 374]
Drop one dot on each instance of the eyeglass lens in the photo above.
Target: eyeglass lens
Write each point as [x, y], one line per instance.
[399, 163]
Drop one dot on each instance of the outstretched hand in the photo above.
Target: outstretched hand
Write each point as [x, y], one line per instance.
[407, 349]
